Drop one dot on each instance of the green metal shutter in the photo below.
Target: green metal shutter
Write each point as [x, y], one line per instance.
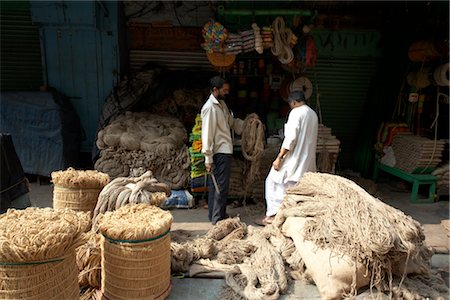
[343, 84]
[21, 63]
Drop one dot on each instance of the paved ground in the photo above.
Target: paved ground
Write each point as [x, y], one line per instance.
[394, 193]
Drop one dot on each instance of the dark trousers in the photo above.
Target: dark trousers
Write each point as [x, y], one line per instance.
[217, 200]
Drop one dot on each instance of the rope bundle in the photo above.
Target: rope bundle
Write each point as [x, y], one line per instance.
[252, 147]
[76, 189]
[146, 141]
[123, 190]
[135, 222]
[283, 37]
[39, 234]
[37, 257]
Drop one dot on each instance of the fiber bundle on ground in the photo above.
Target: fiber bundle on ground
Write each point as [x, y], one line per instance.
[136, 252]
[413, 152]
[257, 188]
[343, 220]
[328, 231]
[77, 189]
[88, 260]
[37, 253]
[124, 190]
[143, 141]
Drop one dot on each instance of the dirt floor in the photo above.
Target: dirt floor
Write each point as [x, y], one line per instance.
[391, 191]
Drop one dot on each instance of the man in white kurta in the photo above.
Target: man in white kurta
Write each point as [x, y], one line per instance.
[297, 154]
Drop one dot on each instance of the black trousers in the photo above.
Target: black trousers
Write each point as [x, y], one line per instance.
[217, 199]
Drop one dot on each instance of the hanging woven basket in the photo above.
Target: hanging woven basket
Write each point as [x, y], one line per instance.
[221, 61]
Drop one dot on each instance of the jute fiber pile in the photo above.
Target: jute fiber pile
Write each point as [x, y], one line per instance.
[331, 232]
[76, 189]
[353, 238]
[135, 252]
[137, 142]
[37, 253]
[123, 190]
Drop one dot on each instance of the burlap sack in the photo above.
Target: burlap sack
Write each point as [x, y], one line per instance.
[332, 272]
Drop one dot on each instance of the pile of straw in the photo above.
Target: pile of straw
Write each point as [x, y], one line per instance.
[39, 234]
[135, 222]
[123, 190]
[72, 178]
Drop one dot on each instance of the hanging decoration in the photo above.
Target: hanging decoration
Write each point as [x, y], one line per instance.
[215, 35]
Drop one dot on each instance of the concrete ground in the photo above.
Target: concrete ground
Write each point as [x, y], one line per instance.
[392, 192]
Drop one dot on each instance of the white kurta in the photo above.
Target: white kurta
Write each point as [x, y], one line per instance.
[300, 138]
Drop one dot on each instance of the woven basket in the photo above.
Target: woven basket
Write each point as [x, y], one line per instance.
[136, 270]
[221, 61]
[78, 199]
[56, 279]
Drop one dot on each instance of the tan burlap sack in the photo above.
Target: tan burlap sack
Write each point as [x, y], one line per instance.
[332, 272]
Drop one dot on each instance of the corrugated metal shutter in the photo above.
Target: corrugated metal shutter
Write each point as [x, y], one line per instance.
[173, 60]
[21, 63]
[343, 85]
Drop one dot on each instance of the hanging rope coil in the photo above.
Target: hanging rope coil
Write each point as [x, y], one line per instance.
[252, 147]
[282, 36]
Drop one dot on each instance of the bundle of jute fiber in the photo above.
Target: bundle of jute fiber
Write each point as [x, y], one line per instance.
[77, 189]
[135, 252]
[261, 276]
[183, 254]
[333, 217]
[123, 190]
[252, 139]
[37, 253]
[89, 260]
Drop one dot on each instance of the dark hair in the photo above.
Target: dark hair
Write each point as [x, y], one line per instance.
[216, 82]
[296, 95]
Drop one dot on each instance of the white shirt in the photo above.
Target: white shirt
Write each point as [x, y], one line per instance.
[300, 138]
[216, 128]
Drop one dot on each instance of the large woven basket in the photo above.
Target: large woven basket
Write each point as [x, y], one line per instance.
[55, 279]
[78, 199]
[136, 269]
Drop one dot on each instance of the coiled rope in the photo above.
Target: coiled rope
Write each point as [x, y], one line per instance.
[252, 147]
[282, 36]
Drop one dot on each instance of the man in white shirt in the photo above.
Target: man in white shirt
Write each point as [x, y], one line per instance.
[296, 157]
[217, 146]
